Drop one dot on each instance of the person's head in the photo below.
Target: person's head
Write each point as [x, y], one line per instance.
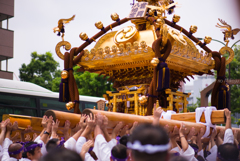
[62, 155]
[118, 152]
[32, 151]
[149, 142]
[15, 150]
[227, 151]
[195, 148]
[123, 140]
[52, 144]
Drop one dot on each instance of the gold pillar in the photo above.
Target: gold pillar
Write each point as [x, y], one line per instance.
[136, 103]
[114, 103]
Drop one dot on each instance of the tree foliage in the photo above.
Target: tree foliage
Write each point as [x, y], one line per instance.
[235, 74]
[194, 106]
[89, 84]
[41, 70]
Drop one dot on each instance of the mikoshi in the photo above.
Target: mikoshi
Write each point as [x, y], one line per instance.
[146, 63]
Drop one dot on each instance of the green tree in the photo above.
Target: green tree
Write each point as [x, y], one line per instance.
[235, 74]
[41, 70]
[194, 106]
[89, 84]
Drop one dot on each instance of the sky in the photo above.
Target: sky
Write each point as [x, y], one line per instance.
[33, 22]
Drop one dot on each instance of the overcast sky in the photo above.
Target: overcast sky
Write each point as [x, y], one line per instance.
[33, 22]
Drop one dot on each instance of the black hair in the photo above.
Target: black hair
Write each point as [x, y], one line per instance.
[123, 140]
[228, 151]
[194, 146]
[200, 158]
[61, 155]
[149, 134]
[51, 144]
[178, 158]
[119, 151]
[24, 155]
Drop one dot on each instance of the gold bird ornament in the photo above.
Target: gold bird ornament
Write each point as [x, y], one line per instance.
[60, 28]
[227, 30]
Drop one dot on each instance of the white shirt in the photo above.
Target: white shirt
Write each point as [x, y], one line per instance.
[176, 149]
[24, 159]
[81, 140]
[70, 144]
[112, 143]
[43, 149]
[101, 148]
[228, 137]
[201, 153]
[7, 142]
[189, 154]
[213, 155]
[1, 152]
[12, 159]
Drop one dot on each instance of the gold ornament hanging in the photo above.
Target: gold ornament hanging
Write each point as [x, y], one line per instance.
[70, 105]
[193, 29]
[64, 74]
[83, 36]
[99, 25]
[154, 62]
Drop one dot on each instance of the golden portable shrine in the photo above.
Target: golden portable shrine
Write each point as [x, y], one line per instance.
[146, 61]
[153, 56]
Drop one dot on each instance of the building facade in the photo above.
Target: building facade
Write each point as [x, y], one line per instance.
[6, 37]
[198, 85]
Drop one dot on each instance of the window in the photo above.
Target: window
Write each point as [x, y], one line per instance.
[52, 104]
[24, 111]
[16, 100]
[5, 110]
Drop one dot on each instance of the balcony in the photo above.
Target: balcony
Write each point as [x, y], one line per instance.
[6, 44]
[6, 9]
[6, 75]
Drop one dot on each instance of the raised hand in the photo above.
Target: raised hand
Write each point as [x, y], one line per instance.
[28, 138]
[44, 121]
[9, 126]
[235, 133]
[182, 130]
[200, 133]
[4, 125]
[91, 121]
[116, 130]
[15, 126]
[16, 136]
[133, 127]
[124, 130]
[99, 119]
[34, 136]
[76, 129]
[55, 126]
[191, 133]
[157, 112]
[83, 122]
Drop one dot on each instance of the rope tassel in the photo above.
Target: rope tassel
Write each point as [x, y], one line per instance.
[163, 77]
[64, 91]
[223, 98]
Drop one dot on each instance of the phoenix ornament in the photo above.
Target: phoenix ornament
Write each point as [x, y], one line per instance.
[227, 30]
[60, 27]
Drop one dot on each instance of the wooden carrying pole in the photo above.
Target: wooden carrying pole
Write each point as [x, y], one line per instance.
[114, 118]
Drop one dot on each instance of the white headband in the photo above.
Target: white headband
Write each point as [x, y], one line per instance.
[148, 148]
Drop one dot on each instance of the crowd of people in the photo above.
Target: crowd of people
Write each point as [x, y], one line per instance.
[90, 140]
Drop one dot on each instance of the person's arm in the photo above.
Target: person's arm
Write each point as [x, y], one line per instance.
[191, 134]
[3, 130]
[173, 137]
[104, 129]
[91, 123]
[44, 136]
[133, 127]
[81, 127]
[236, 138]
[199, 140]
[156, 115]
[220, 137]
[228, 119]
[85, 148]
[213, 135]
[116, 130]
[65, 129]
[182, 137]
[54, 129]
